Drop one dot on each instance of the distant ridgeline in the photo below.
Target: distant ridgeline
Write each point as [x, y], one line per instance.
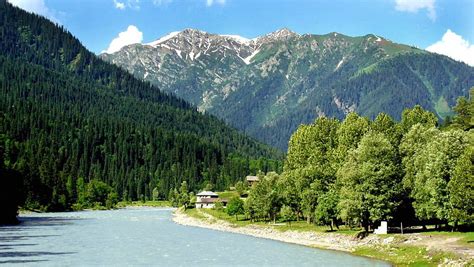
[269, 85]
[65, 114]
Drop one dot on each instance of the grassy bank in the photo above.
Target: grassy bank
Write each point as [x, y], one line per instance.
[150, 203]
[414, 249]
[405, 255]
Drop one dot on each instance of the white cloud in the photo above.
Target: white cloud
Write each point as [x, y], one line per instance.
[161, 2]
[455, 47]
[413, 6]
[131, 36]
[119, 5]
[212, 2]
[35, 6]
[132, 4]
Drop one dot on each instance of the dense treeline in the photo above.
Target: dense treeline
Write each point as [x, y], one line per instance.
[360, 172]
[71, 121]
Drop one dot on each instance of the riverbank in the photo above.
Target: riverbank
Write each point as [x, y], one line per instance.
[401, 250]
[148, 203]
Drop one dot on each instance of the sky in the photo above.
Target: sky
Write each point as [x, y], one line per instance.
[441, 26]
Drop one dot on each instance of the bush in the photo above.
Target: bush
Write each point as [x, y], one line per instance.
[235, 207]
[218, 205]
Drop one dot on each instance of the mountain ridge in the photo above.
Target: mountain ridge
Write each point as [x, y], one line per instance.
[284, 74]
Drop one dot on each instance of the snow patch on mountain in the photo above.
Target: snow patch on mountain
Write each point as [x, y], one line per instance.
[340, 63]
[249, 58]
[237, 38]
[163, 39]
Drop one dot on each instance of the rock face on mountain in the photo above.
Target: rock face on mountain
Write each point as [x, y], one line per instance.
[269, 85]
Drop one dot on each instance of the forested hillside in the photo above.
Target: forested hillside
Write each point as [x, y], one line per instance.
[67, 116]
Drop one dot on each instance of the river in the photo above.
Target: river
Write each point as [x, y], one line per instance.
[147, 236]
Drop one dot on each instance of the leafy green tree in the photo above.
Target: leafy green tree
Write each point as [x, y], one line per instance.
[174, 197]
[287, 214]
[290, 185]
[464, 108]
[81, 191]
[435, 166]
[351, 131]
[412, 145]
[97, 192]
[384, 124]
[370, 181]
[461, 189]
[192, 199]
[156, 194]
[416, 115]
[241, 187]
[326, 211]
[112, 200]
[309, 199]
[218, 205]
[183, 197]
[313, 144]
[265, 199]
[235, 207]
[311, 165]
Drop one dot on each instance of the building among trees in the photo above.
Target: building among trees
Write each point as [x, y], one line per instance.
[251, 179]
[208, 199]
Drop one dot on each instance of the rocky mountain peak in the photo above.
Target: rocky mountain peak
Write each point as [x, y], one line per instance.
[279, 35]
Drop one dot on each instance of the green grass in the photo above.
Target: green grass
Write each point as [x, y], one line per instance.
[442, 108]
[228, 194]
[195, 214]
[404, 255]
[150, 203]
[301, 226]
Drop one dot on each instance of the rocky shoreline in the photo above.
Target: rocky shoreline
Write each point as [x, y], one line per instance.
[331, 241]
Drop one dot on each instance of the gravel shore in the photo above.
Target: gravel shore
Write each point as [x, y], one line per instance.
[332, 241]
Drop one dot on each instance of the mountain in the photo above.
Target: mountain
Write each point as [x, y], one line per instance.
[269, 85]
[67, 116]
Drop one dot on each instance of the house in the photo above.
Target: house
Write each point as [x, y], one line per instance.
[207, 200]
[252, 179]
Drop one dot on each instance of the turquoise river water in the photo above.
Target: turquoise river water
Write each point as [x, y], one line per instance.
[147, 237]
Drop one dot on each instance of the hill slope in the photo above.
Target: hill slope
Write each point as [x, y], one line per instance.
[65, 114]
[269, 85]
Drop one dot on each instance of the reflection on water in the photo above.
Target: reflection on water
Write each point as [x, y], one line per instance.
[147, 237]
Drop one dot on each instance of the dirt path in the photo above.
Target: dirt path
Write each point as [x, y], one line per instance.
[452, 244]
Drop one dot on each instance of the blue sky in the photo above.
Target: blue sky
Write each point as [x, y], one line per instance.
[416, 22]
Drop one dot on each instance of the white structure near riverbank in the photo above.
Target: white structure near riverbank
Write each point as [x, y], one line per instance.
[206, 200]
[382, 229]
